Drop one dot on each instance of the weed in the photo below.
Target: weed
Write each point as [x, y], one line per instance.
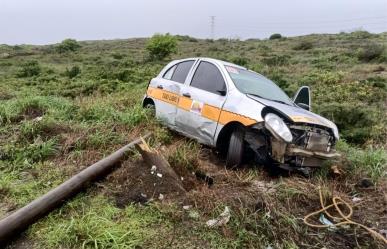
[371, 162]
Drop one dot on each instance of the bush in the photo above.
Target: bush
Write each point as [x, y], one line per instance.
[275, 36]
[360, 34]
[303, 45]
[68, 45]
[74, 71]
[161, 46]
[370, 52]
[242, 61]
[376, 81]
[29, 68]
[355, 122]
[276, 60]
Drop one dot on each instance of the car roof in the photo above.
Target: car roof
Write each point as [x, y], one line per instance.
[224, 63]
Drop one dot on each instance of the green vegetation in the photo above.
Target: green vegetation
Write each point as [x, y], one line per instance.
[64, 106]
[161, 46]
[68, 45]
[275, 36]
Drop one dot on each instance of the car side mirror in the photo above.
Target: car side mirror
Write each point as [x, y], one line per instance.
[222, 92]
[302, 98]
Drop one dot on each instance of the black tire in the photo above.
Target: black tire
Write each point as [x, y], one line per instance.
[152, 108]
[235, 148]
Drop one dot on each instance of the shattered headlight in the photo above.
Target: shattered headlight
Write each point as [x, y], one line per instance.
[278, 127]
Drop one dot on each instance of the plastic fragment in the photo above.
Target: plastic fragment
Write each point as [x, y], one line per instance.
[159, 175]
[327, 222]
[153, 169]
[222, 219]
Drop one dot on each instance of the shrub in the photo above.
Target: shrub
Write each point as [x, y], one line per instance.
[355, 122]
[303, 45]
[68, 45]
[360, 34]
[275, 36]
[370, 52]
[74, 71]
[242, 61]
[376, 81]
[29, 68]
[276, 60]
[161, 46]
[117, 56]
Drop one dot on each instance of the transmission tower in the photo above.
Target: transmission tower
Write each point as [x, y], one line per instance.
[212, 27]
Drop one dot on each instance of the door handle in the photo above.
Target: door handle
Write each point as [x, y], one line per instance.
[187, 95]
[160, 87]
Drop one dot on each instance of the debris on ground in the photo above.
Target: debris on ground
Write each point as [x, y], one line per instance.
[222, 219]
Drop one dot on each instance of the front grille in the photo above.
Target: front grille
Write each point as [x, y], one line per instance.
[311, 138]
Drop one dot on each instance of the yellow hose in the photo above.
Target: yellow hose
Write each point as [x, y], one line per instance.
[343, 218]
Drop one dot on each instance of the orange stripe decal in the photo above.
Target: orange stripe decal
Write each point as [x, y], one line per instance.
[211, 112]
[208, 111]
[227, 117]
[185, 103]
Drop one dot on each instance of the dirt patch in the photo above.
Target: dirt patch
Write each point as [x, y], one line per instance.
[5, 95]
[136, 182]
[32, 112]
[21, 242]
[29, 113]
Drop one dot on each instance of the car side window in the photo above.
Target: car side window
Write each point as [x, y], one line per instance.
[208, 77]
[181, 71]
[168, 74]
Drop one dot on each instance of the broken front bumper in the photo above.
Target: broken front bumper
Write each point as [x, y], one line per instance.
[310, 148]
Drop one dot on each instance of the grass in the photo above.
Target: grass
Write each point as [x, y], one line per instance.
[97, 223]
[371, 162]
[60, 112]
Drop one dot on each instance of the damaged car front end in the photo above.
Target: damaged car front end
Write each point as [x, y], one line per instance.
[289, 145]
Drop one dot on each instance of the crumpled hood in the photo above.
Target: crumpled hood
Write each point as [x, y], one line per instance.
[296, 114]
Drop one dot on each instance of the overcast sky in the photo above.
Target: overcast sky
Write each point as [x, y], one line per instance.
[50, 21]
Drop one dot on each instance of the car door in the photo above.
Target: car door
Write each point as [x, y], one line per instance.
[201, 101]
[165, 91]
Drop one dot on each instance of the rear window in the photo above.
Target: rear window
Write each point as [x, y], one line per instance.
[181, 71]
[168, 74]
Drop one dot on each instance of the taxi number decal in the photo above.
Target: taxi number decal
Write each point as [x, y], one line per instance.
[169, 97]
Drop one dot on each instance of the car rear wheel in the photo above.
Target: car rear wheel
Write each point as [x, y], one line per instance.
[151, 108]
[235, 148]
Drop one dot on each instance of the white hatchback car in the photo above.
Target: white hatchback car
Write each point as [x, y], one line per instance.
[237, 110]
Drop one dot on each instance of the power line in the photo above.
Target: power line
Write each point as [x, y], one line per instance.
[320, 21]
[295, 27]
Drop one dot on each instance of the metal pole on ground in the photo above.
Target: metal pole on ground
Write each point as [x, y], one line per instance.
[27, 215]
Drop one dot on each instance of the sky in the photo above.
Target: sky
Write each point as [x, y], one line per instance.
[51, 21]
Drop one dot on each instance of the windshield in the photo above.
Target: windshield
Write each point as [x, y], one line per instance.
[249, 82]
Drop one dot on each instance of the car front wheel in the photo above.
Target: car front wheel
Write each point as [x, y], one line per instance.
[235, 148]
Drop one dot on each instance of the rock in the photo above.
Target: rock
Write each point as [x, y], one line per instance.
[365, 183]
